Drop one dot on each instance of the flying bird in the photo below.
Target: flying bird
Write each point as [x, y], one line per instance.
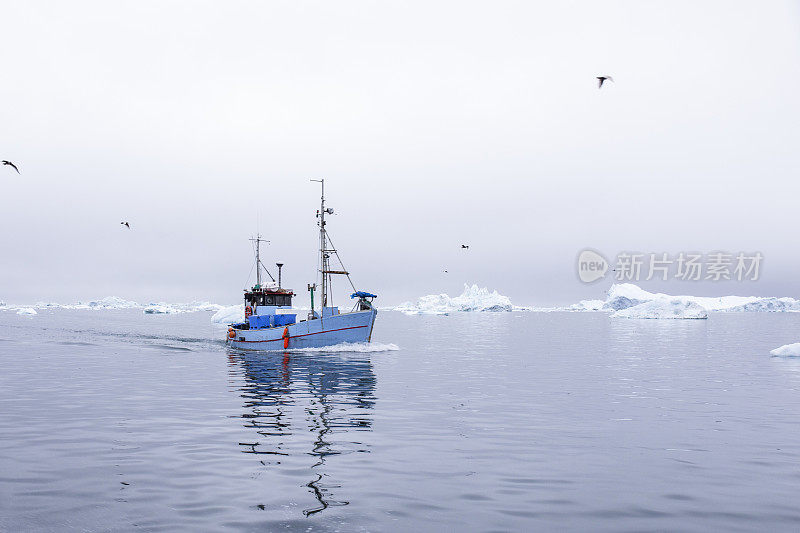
[126, 225]
[465, 247]
[12, 165]
[601, 79]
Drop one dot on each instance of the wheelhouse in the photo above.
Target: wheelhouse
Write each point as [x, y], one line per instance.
[264, 297]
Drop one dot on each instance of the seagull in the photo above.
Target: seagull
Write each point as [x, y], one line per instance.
[12, 164]
[126, 225]
[465, 247]
[601, 79]
[445, 271]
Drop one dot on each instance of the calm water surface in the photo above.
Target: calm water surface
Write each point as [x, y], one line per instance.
[115, 420]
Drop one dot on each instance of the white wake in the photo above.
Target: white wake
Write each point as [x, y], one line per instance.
[345, 347]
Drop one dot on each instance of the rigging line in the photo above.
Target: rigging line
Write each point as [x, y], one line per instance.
[329, 284]
[265, 270]
[340, 262]
[248, 275]
[251, 266]
[319, 269]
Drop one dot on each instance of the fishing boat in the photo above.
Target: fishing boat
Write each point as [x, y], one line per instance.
[271, 322]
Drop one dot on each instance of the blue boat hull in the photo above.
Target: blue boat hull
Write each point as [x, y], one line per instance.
[336, 329]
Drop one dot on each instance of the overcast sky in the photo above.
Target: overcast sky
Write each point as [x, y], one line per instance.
[434, 124]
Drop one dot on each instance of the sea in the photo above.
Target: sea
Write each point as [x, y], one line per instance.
[117, 420]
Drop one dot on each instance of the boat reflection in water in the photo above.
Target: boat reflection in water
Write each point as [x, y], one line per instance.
[306, 404]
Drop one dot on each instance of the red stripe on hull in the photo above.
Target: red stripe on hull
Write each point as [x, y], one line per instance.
[304, 334]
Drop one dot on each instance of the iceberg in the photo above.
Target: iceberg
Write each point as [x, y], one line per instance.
[768, 305]
[626, 295]
[663, 309]
[787, 350]
[473, 298]
[229, 315]
[27, 311]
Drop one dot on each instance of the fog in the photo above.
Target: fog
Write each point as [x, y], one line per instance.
[434, 124]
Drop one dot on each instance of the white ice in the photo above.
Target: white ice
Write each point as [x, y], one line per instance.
[625, 295]
[588, 305]
[109, 302]
[229, 315]
[160, 309]
[663, 309]
[473, 298]
[27, 311]
[113, 303]
[787, 350]
[163, 308]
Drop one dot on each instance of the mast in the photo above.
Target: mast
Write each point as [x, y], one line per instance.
[258, 240]
[258, 260]
[325, 251]
[323, 256]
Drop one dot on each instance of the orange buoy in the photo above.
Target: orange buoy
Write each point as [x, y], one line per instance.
[248, 311]
[231, 333]
[285, 338]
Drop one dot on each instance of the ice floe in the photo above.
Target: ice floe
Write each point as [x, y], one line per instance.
[787, 350]
[587, 305]
[473, 298]
[111, 303]
[162, 308]
[103, 304]
[159, 309]
[27, 311]
[663, 309]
